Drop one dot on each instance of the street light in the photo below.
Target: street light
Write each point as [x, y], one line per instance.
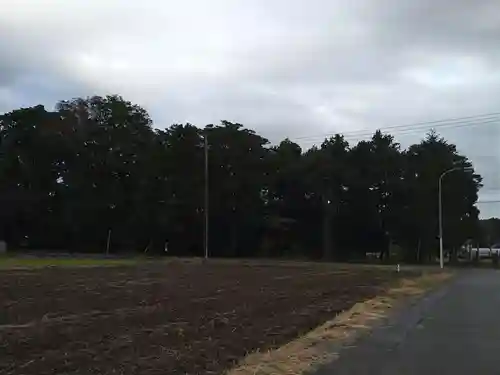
[441, 260]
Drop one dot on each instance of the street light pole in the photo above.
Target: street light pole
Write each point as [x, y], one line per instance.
[440, 204]
[441, 260]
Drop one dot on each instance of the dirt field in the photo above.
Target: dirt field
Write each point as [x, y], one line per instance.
[174, 318]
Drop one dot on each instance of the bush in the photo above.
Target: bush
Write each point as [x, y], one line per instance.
[494, 259]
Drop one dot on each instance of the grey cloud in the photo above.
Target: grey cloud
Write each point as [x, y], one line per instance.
[449, 24]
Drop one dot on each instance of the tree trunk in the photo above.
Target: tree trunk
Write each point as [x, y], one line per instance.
[327, 229]
[233, 239]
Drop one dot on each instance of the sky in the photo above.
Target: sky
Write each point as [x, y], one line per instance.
[285, 68]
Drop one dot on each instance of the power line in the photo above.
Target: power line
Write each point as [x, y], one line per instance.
[448, 126]
[436, 123]
[368, 136]
[490, 201]
[419, 126]
[350, 136]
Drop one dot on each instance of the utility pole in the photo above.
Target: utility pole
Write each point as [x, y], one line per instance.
[440, 204]
[206, 194]
[108, 241]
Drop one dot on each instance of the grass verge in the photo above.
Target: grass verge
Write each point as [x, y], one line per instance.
[315, 348]
[8, 262]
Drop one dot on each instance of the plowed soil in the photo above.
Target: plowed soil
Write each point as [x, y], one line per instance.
[166, 318]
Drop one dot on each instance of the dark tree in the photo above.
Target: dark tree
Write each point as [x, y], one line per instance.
[96, 166]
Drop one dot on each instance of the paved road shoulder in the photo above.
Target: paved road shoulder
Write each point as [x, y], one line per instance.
[452, 330]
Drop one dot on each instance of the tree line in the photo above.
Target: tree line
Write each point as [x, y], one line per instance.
[489, 233]
[69, 176]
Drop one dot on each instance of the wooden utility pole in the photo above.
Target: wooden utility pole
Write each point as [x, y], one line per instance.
[108, 241]
[206, 195]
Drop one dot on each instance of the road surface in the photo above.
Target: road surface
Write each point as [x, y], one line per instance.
[455, 330]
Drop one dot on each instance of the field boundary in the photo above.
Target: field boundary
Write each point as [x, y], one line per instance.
[314, 349]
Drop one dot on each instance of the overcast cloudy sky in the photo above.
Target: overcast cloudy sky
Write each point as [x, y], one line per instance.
[296, 68]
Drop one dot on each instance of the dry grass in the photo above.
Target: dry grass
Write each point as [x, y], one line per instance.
[315, 348]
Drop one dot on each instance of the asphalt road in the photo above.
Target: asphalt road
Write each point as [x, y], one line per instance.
[455, 330]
